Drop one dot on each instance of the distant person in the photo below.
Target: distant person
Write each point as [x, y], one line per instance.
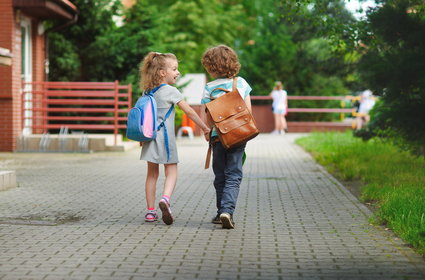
[279, 108]
[222, 63]
[158, 72]
[367, 101]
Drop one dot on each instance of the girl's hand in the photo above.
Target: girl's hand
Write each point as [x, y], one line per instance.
[207, 134]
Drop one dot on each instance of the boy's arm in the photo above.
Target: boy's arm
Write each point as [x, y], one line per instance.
[194, 117]
[248, 103]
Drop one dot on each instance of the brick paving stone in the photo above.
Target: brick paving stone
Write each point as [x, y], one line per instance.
[81, 216]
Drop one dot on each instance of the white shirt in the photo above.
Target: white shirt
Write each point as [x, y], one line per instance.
[279, 99]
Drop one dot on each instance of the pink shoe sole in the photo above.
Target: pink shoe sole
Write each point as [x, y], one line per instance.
[167, 217]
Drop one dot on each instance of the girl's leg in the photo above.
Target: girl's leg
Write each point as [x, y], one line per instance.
[170, 179]
[170, 183]
[282, 124]
[150, 186]
[276, 123]
[285, 124]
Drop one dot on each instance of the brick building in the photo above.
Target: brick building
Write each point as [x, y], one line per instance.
[23, 56]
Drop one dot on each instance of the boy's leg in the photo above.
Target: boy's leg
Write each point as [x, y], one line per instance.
[233, 175]
[150, 186]
[218, 166]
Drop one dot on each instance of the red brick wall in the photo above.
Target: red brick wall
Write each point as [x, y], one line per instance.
[10, 76]
[264, 118]
[6, 34]
[9, 79]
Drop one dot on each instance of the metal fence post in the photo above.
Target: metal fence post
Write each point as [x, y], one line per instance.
[116, 91]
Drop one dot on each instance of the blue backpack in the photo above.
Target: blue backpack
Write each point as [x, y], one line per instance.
[142, 120]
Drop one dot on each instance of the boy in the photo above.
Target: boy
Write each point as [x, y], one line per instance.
[222, 63]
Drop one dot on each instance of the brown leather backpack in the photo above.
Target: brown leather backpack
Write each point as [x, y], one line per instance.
[233, 121]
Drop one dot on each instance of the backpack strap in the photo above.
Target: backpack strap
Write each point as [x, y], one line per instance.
[222, 89]
[235, 79]
[162, 124]
[235, 83]
[151, 92]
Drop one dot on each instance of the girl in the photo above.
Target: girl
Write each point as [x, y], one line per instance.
[161, 70]
[279, 107]
[222, 64]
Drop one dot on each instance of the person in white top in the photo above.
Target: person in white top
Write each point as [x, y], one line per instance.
[367, 101]
[279, 108]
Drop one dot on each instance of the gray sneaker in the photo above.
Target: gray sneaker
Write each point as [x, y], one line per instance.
[227, 221]
[216, 220]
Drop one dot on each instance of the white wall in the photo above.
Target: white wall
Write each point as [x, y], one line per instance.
[192, 92]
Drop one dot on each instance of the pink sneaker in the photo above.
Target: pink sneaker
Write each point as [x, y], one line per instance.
[167, 217]
[151, 217]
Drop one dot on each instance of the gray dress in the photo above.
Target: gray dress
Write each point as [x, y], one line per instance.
[155, 151]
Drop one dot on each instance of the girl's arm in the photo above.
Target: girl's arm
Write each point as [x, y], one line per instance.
[194, 117]
[207, 118]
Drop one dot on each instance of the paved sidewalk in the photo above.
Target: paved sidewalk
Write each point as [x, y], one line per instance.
[80, 216]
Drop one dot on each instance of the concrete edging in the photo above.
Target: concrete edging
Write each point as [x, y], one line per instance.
[7, 180]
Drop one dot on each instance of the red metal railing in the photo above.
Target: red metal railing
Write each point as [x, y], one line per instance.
[89, 106]
[262, 110]
[312, 110]
[315, 110]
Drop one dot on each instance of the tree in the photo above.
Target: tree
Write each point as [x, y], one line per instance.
[295, 42]
[275, 40]
[102, 51]
[394, 67]
[69, 47]
[193, 26]
[116, 55]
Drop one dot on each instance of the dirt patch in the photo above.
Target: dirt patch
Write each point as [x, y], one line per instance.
[355, 188]
[41, 220]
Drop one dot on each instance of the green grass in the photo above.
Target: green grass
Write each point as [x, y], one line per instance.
[392, 179]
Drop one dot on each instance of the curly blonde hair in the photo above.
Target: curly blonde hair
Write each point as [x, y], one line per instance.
[153, 62]
[221, 61]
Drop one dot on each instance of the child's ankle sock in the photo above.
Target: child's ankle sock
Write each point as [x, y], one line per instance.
[152, 210]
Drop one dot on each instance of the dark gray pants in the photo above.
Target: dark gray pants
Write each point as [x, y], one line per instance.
[227, 167]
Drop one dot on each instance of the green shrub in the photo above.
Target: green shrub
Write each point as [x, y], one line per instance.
[391, 178]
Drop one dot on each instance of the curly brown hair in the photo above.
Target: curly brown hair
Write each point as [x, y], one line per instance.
[150, 67]
[221, 61]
